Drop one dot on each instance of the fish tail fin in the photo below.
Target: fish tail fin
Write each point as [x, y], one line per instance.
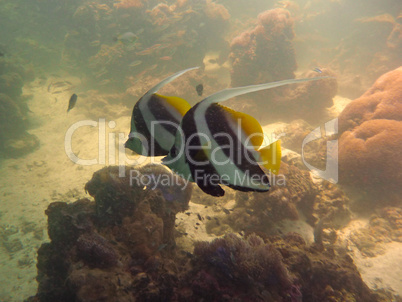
[271, 156]
[228, 93]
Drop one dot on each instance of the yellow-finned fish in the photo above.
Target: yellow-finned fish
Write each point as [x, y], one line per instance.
[216, 145]
[155, 119]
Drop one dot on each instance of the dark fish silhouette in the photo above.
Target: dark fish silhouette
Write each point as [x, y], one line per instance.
[200, 89]
[71, 102]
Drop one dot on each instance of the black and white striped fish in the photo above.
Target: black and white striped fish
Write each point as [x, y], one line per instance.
[155, 119]
[216, 145]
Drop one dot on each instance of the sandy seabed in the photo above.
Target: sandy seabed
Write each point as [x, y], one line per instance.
[29, 184]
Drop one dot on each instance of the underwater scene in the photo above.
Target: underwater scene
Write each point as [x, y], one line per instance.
[200, 150]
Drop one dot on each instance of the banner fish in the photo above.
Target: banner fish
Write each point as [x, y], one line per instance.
[216, 145]
[72, 102]
[155, 119]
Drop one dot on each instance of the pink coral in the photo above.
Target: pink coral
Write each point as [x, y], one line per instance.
[370, 144]
[266, 52]
[381, 101]
[276, 22]
[129, 4]
[242, 40]
[216, 11]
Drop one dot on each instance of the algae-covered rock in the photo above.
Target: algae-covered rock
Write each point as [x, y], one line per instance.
[126, 233]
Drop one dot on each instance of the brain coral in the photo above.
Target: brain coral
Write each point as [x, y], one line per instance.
[371, 138]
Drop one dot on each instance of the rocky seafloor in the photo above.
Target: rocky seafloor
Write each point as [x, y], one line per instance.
[122, 246]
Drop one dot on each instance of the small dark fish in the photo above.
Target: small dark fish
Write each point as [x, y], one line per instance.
[48, 87]
[71, 102]
[200, 89]
[317, 70]
[56, 92]
[227, 212]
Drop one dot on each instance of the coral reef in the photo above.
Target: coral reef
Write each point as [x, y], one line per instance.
[152, 188]
[274, 269]
[15, 141]
[383, 227]
[128, 4]
[227, 269]
[167, 36]
[121, 247]
[231, 267]
[370, 128]
[367, 53]
[107, 248]
[293, 195]
[327, 275]
[308, 101]
[272, 35]
[292, 137]
[266, 54]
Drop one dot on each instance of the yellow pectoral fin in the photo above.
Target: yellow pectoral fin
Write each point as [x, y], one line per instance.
[271, 156]
[181, 105]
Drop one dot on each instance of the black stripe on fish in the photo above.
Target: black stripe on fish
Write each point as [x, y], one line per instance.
[141, 127]
[203, 171]
[157, 106]
[206, 171]
[218, 121]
